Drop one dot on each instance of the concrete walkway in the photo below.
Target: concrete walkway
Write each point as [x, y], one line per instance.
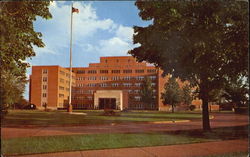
[185, 150]
[220, 120]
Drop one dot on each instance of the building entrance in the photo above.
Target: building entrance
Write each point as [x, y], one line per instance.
[107, 103]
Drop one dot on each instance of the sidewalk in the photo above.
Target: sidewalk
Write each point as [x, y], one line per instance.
[185, 150]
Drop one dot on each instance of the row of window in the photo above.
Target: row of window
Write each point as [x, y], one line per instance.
[115, 71]
[137, 91]
[115, 78]
[112, 84]
[62, 88]
[136, 98]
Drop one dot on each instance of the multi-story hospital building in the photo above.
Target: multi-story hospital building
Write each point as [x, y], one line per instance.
[115, 81]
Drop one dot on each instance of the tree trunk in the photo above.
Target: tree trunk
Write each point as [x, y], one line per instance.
[205, 115]
[172, 108]
[205, 111]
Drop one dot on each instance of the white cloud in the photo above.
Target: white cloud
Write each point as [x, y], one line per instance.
[56, 31]
[125, 33]
[118, 45]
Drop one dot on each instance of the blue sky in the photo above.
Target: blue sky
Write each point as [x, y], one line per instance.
[102, 28]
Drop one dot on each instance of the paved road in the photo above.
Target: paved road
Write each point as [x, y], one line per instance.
[185, 150]
[219, 120]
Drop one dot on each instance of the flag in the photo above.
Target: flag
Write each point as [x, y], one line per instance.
[75, 10]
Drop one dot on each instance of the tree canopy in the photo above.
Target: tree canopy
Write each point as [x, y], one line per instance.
[18, 38]
[204, 42]
[17, 32]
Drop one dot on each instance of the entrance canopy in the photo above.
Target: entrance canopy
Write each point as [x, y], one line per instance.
[114, 98]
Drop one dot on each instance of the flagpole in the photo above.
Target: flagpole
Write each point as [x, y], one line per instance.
[70, 79]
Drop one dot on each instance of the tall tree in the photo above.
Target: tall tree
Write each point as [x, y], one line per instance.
[172, 93]
[17, 40]
[147, 93]
[200, 41]
[186, 94]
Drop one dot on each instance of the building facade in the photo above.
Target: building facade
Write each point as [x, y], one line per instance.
[115, 81]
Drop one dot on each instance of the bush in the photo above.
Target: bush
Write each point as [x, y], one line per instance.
[192, 107]
[241, 110]
[109, 112]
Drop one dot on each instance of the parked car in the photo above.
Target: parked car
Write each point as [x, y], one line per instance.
[30, 107]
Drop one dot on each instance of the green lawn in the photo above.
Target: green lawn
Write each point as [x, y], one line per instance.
[41, 118]
[32, 145]
[90, 142]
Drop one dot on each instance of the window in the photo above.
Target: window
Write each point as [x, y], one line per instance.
[151, 70]
[127, 71]
[45, 79]
[137, 91]
[115, 71]
[92, 78]
[138, 84]
[61, 95]
[115, 78]
[104, 85]
[62, 72]
[114, 84]
[61, 80]
[127, 84]
[139, 77]
[130, 91]
[103, 78]
[89, 97]
[44, 95]
[92, 72]
[80, 78]
[153, 84]
[152, 77]
[80, 72]
[91, 85]
[44, 86]
[67, 75]
[89, 91]
[139, 71]
[80, 85]
[137, 98]
[126, 78]
[61, 88]
[45, 71]
[104, 71]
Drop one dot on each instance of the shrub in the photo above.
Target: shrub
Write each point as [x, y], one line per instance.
[192, 107]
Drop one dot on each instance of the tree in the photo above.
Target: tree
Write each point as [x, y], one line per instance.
[204, 42]
[17, 40]
[186, 95]
[172, 93]
[236, 92]
[147, 93]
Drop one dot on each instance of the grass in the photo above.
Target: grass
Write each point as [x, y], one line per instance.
[32, 145]
[90, 142]
[41, 118]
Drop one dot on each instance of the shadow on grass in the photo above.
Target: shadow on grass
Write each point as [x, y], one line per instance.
[222, 133]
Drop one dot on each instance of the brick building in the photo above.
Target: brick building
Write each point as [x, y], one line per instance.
[115, 81]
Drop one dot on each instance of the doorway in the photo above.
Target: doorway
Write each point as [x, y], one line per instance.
[107, 103]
